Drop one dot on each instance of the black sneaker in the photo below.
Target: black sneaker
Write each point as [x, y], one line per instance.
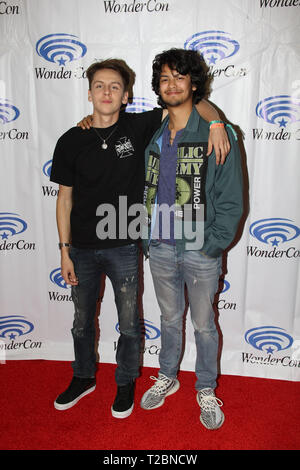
[123, 404]
[78, 388]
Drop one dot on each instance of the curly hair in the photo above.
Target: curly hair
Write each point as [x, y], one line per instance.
[184, 62]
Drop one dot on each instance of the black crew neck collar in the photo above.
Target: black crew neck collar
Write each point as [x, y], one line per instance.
[106, 128]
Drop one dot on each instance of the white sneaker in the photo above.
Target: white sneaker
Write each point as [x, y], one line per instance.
[211, 416]
[155, 396]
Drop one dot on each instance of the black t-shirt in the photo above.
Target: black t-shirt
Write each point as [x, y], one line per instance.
[100, 176]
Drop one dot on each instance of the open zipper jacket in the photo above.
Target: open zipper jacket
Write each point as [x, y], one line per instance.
[213, 194]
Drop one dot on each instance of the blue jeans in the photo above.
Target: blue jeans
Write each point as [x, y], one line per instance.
[121, 266]
[171, 271]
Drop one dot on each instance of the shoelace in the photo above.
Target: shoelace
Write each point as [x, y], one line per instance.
[160, 385]
[209, 402]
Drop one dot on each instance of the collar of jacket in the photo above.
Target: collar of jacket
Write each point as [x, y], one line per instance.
[191, 126]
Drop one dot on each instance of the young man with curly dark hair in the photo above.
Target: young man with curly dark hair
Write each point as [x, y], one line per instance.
[185, 62]
[186, 250]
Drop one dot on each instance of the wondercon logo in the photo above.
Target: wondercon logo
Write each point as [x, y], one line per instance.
[274, 231]
[56, 278]
[11, 224]
[48, 190]
[221, 303]
[148, 329]
[60, 48]
[47, 168]
[213, 45]
[8, 112]
[269, 339]
[226, 286]
[139, 105]
[279, 110]
[14, 325]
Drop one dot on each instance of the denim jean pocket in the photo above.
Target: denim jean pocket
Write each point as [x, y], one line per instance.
[155, 243]
[207, 256]
[130, 249]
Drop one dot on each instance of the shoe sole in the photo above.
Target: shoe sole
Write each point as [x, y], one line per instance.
[170, 392]
[217, 427]
[122, 414]
[66, 406]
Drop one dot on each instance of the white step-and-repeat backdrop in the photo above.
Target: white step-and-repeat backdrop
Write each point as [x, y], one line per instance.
[253, 50]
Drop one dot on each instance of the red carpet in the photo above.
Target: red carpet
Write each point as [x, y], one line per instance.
[259, 413]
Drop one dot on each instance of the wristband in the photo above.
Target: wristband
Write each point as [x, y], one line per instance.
[60, 245]
[216, 122]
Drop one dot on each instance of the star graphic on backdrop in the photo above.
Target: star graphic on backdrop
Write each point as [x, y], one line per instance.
[270, 350]
[212, 59]
[4, 236]
[61, 61]
[282, 123]
[275, 242]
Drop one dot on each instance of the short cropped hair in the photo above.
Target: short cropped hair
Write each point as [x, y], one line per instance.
[114, 64]
[184, 62]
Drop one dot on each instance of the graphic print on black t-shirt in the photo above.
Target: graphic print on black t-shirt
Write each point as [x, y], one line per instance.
[124, 147]
[100, 176]
[190, 174]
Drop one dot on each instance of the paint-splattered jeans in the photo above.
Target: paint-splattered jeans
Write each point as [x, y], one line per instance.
[171, 271]
[121, 266]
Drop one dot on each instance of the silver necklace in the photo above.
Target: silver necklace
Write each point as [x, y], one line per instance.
[104, 144]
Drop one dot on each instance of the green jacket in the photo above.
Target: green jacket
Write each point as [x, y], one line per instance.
[216, 189]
